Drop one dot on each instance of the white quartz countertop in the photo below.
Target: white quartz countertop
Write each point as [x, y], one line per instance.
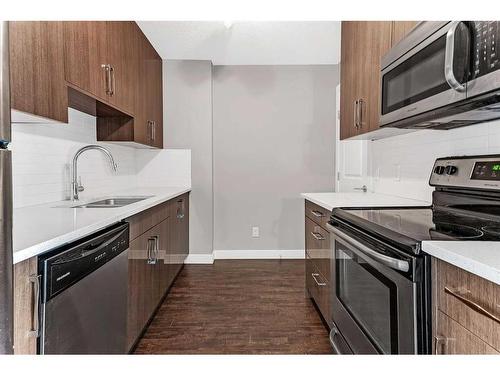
[333, 200]
[38, 229]
[481, 258]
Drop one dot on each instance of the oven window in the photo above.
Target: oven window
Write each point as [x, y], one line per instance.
[369, 297]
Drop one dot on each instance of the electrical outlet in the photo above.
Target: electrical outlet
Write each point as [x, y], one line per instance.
[255, 232]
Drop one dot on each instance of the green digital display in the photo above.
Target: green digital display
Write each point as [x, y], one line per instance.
[486, 170]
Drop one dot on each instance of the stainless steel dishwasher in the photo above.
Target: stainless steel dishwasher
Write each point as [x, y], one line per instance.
[84, 295]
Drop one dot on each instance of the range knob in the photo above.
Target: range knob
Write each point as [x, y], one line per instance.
[439, 169]
[451, 170]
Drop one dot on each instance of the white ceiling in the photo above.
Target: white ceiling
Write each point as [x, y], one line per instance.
[246, 43]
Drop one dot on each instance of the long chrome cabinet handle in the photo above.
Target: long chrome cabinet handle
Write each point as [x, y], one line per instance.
[473, 305]
[35, 280]
[107, 70]
[314, 275]
[317, 213]
[180, 210]
[448, 58]
[360, 113]
[112, 79]
[153, 132]
[397, 264]
[355, 114]
[157, 247]
[318, 236]
[151, 249]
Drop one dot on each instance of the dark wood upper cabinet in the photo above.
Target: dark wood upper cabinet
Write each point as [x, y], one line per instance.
[146, 92]
[148, 124]
[85, 53]
[36, 69]
[363, 44]
[104, 68]
[123, 57]
[101, 59]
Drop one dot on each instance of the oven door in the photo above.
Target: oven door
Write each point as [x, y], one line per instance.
[373, 301]
[432, 74]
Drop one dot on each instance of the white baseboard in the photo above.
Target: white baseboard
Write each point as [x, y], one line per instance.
[259, 254]
[199, 259]
[244, 254]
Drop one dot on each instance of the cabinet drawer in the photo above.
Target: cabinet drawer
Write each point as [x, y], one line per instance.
[470, 300]
[317, 214]
[318, 247]
[319, 289]
[452, 338]
[146, 220]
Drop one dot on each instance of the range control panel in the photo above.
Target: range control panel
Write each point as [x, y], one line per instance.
[474, 172]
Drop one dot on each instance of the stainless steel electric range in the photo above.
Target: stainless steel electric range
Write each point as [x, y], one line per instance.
[382, 292]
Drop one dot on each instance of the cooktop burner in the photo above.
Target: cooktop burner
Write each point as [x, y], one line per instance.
[423, 224]
[460, 232]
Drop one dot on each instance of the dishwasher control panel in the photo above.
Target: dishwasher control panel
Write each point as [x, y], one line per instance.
[64, 267]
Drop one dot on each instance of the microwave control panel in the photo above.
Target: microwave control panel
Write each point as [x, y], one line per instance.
[485, 47]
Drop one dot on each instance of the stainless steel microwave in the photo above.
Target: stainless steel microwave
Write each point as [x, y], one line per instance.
[442, 75]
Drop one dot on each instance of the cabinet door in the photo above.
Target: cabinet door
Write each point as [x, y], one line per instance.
[318, 247]
[400, 29]
[157, 99]
[123, 57]
[373, 42]
[452, 338]
[363, 45]
[26, 319]
[319, 289]
[348, 90]
[165, 274]
[143, 132]
[85, 45]
[36, 69]
[179, 233]
[143, 284]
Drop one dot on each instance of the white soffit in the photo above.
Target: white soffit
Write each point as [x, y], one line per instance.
[246, 43]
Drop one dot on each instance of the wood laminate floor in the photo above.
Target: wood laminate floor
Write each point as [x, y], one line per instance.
[237, 307]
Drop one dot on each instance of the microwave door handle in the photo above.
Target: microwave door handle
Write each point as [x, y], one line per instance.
[448, 58]
[396, 264]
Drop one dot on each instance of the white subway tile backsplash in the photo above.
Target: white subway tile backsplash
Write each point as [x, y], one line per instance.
[42, 154]
[416, 153]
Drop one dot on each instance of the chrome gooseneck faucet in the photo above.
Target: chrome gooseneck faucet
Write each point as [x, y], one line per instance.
[76, 187]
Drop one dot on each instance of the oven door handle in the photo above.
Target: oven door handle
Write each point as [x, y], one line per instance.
[397, 264]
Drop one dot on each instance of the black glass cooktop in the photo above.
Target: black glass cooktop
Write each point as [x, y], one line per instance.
[424, 224]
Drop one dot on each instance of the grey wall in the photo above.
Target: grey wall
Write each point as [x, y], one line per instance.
[187, 95]
[273, 138]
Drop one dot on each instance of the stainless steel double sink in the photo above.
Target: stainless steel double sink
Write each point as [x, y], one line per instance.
[112, 202]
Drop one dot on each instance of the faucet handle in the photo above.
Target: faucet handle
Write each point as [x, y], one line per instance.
[80, 187]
